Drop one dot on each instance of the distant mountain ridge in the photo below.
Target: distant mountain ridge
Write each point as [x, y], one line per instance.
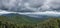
[19, 18]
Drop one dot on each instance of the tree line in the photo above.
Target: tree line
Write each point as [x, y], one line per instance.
[50, 23]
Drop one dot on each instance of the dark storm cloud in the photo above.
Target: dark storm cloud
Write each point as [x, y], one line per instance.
[19, 5]
[30, 5]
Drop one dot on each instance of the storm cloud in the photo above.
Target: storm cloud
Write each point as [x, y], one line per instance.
[30, 5]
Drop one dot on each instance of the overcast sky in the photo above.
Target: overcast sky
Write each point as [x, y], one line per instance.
[30, 5]
[34, 6]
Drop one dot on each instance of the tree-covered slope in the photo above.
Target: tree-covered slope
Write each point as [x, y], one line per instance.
[23, 21]
[50, 23]
[16, 18]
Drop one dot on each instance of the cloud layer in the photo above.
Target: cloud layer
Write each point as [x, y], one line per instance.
[30, 5]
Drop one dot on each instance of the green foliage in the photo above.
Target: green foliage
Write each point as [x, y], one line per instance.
[27, 22]
[19, 19]
[51, 23]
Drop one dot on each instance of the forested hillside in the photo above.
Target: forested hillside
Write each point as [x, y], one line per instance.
[16, 18]
[19, 22]
[50, 23]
